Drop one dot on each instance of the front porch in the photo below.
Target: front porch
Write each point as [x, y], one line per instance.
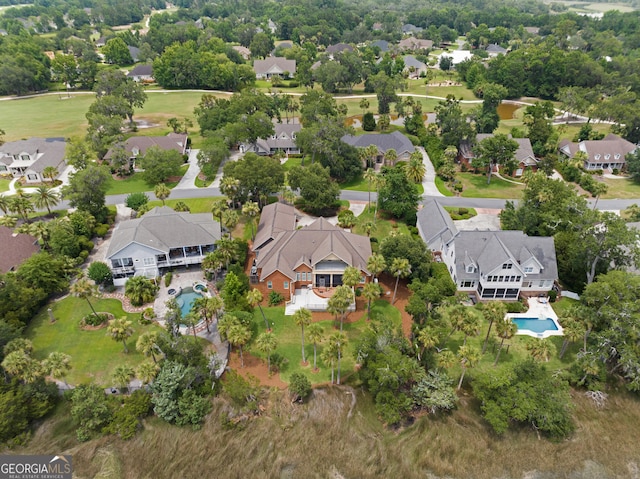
[312, 299]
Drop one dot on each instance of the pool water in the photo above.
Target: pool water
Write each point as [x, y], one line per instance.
[185, 300]
[535, 325]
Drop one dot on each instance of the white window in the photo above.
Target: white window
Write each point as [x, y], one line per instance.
[470, 268]
[149, 261]
[269, 285]
[528, 269]
[32, 176]
[25, 157]
[542, 283]
[286, 285]
[607, 156]
[617, 156]
[297, 276]
[597, 157]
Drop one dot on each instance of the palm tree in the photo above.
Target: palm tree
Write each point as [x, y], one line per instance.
[400, 268]
[57, 365]
[455, 315]
[45, 197]
[376, 264]
[180, 207]
[505, 329]
[316, 335]
[219, 206]
[468, 357]
[191, 320]
[208, 308]
[252, 210]
[572, 331]
[328, 356]
[239, 335]
[162, 192]
[20, 364]
[122, 375]
[85, 289]
[378, 182]
[254, 298]
[267, 343]
[140, 290]
[471, 324]
[364, 105]
[147, 372]
[370, 292]
[390, 157]
[21, 204]
[5, 204]
[302, 318]
[369, 175]
[120, 330]
[597, 190]
[415, 169]
[147, 343]
[8, 221]
[492, 311]
[212, 262]
[50, 172]
[230, 219]
[427, 338]
[368, 227]
[339, 341]
[289, 196]
[446, 359]
[340, 301]
[229, 186]
[226, 248]
[539, 349]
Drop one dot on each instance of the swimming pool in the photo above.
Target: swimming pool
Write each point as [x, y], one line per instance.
[536, 325]
[185, 300]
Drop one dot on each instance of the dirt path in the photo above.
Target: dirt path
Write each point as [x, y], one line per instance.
[256, 367]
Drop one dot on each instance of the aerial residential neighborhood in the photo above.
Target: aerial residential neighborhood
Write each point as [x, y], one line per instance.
[311, 239]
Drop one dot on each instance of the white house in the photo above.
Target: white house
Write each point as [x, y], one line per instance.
[489, 265]
[606, 154]
[162, 238]
[283, 139]
[29, 158]
[274, 66]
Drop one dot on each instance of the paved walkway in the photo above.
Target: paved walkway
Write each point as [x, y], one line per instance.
[189, 179]
[429, 180]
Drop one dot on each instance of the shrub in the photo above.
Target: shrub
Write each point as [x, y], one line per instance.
[278, 362]
[93, 320]
[373, 240]
[463, 211]
[553, 295]
[300, 387]
[126, 419]
[136, 200]
[294, 84]
[275, 298]
[368, 122]
[516, 307]
[100, 273]
[167, 278]
[101, 230]
[413, 230]
[615, 171]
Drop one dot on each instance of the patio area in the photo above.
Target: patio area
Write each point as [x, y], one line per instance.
[311, 299]
[540, 320]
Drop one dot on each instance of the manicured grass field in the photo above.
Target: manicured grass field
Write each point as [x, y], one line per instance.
[4, 185]
[135, 184]
[623, 189]
[94, 355]
[196, 205]
[289, 340]
[383, 227]
[475, 186]
[442, 187]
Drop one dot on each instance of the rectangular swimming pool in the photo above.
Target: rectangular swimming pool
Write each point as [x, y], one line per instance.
[535, 325]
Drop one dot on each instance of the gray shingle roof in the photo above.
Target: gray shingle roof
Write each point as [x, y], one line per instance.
[47, 152]
[435, 223]
[597, 150]
[339, 47]
[15, 248]
[396, 141]
[383, 45]
[141, 70]
[173, 141]
[163, 228]
[274, 66]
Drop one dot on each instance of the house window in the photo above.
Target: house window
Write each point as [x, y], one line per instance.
[528, 269]
[527, 284]
[542, 283]
[286, 285]
[518, 278]
[32, 176]
[607, 156]
[617, 156]
[362, 279]
[470, 269]
[507, 266]
[269, 285]
[297, 276]
[468, 284]
[149, 261]
[3, 168]
[25, 157]
[597, 157]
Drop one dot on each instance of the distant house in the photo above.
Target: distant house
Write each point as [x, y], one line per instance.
[274, 66]
[384, 142]
[141, 73]
[376, 27]
[415, 44]
[162, 238]
[606, 154]
[414, 67]
[29, 158]
[137, 146]
[410, 29]
[243, 51]
[302, 263]
[490, 265]
[524, 155]
[494, 50]
[101, 42]
[457, 56]
[532, 30]
[338, 48]
[134, 52]
[15, 249]
[283, 139]
[383, 45]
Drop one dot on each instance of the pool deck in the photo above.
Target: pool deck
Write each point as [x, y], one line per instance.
[541, 309]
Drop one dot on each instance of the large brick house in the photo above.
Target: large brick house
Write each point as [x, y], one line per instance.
[300, 262]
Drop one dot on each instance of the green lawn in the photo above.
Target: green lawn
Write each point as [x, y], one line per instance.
[135, 183]
[289, 340]
[196, 205]
[442, 187]
[623, 189]
[383, 228]
[94, 355]
[475, 186]
[4, 185]
[59, 115]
